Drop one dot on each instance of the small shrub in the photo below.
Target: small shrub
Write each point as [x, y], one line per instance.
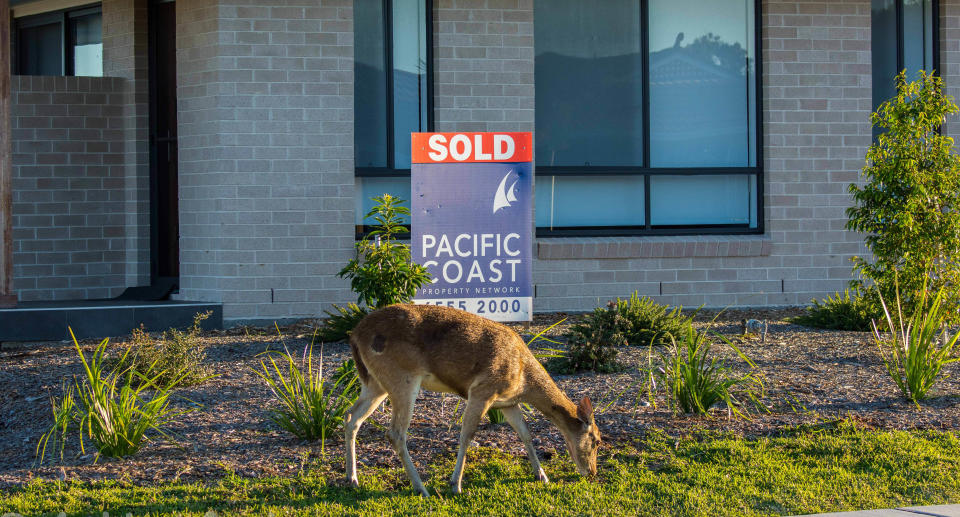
[110, 408]
[646, 322]
[174, 355]
[906, 206]
[383, 271]
[695, 381]
[593, 343]
[848, 311]
[310, 408]
[912, 354]
[340, 322]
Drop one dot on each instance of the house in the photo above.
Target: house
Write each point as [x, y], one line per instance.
[697, 151]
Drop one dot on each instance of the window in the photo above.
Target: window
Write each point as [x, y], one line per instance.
[392, 94]
[904, 37]
[646, 117]
[60, 43]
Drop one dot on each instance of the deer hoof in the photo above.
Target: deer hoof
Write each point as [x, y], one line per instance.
[542, 477]
[455, 488]
[354, 482]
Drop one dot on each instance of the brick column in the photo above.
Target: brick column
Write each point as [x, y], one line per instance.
[7, 298]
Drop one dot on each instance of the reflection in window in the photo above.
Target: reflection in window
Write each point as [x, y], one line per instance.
[596, 201]
[60, 43]
[701, 83]
[703, 200]
[388, 107]
[39, 49]
[391, 94]
[589, 71]
[903, 38]
[87, 45]
[613, 124]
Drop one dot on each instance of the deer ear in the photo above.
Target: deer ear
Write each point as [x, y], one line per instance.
[585, 411]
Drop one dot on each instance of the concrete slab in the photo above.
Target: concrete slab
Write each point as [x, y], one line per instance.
[868, 513]
[942, 510]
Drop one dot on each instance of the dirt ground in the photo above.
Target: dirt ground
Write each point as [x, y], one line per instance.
[811, 376]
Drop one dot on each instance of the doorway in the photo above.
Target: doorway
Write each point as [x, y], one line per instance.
[164, 206]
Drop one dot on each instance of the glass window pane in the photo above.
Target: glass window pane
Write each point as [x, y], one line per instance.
[574, 201]
[701, 69]
[87, 45]
[589, 92]
[703, 200]
[370, 85]
[409, 76]
[367, 188]
[917, 36]
[883, 49]
[40, 49]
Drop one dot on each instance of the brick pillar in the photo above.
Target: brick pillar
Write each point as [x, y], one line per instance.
[7, 298]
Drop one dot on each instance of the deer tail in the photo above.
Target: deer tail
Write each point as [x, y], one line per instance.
[361, 368]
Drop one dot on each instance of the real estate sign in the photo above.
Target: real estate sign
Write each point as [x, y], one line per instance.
[472, 221]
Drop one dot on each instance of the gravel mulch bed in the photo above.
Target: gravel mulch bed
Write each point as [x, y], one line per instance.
[812, 376]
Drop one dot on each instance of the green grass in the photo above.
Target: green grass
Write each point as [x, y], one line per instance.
[843, 468]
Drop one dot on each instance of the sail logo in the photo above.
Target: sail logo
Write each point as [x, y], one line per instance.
[505, 196]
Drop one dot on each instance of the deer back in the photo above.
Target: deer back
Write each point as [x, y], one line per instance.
[454, 347]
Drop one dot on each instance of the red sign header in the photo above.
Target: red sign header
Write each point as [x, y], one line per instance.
[472, 147]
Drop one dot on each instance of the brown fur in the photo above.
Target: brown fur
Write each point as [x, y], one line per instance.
[401, 348]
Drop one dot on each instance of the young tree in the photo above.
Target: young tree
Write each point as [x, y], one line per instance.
[908, 205]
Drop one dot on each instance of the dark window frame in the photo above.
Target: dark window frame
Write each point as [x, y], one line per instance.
[62, 17]
[390, 171]
[935, 38]
[646, 171]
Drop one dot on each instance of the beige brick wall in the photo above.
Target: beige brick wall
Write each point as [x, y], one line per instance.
[68, 179]
[483, 65]
[125, 49]
[950, 57]
[266, 163]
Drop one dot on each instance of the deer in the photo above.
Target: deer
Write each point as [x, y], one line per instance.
[403, 348]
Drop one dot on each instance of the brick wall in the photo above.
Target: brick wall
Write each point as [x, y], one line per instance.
[68, 180]
[950, 57]
[483, 65]
[266, 163]
[125, 55]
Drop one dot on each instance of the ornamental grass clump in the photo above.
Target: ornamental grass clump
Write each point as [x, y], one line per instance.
[310, 407]
[916, 350]
[117, 409]
[696, 380]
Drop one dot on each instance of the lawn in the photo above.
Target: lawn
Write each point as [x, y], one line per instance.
[836, 466]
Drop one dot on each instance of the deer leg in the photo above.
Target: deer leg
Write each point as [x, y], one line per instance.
[402, 401]
[371, 396]
[476, 407]
[515, 418]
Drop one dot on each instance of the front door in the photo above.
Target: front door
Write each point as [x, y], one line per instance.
[165, 220]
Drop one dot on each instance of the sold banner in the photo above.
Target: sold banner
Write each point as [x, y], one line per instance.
[472, 221]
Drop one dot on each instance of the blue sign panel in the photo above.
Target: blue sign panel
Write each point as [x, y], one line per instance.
[472, 227]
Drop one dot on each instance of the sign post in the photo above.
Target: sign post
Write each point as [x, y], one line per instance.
[472, 221]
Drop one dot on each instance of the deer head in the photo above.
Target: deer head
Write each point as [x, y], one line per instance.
[583, 439]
